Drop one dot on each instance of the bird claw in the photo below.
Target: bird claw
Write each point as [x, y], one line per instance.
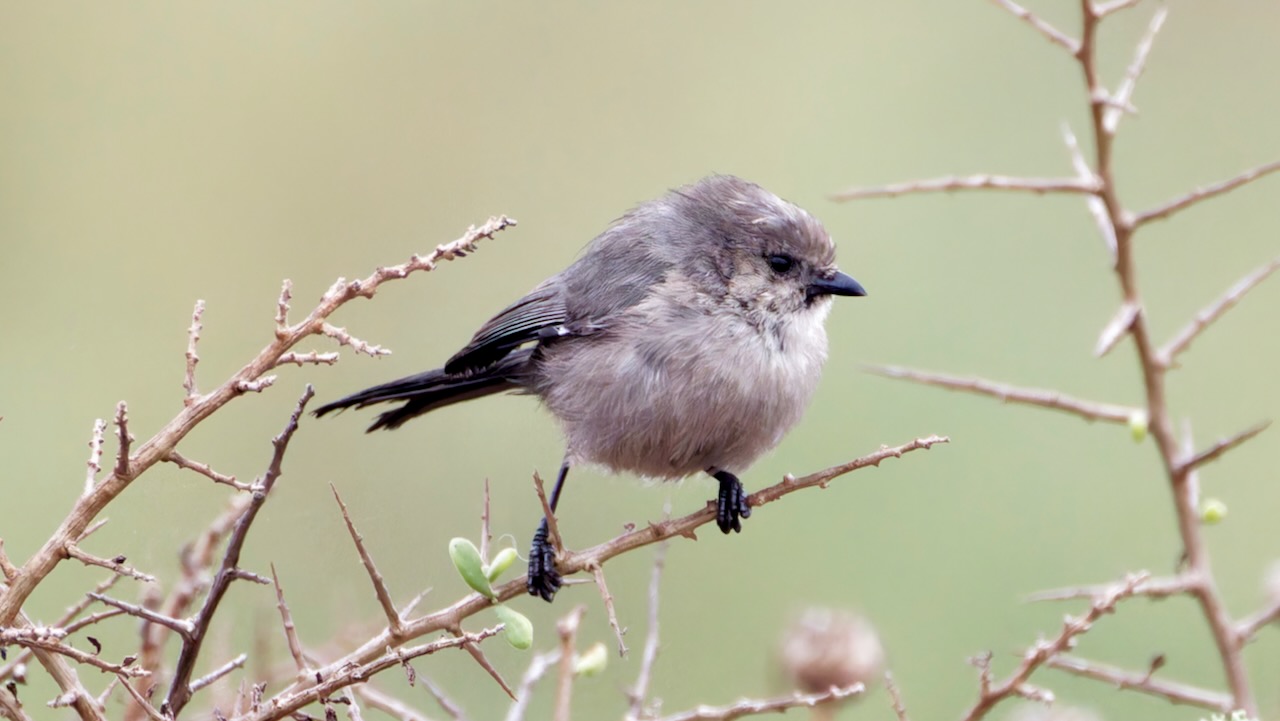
[731, 503]
[543, 580]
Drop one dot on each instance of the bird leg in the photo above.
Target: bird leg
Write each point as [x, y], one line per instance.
[543, 579]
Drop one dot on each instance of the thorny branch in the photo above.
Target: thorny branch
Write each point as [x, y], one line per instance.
[1096, 179]
[199, 407]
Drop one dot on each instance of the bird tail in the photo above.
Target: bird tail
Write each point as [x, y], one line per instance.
[434, 389]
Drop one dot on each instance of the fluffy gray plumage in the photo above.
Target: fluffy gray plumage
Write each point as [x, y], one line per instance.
[688, 337]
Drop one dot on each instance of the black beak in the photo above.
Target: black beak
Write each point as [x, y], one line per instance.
[838, 284]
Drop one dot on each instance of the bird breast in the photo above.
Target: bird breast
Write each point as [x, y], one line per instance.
[663, 396]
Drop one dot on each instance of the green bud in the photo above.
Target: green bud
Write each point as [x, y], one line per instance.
[1138, 423]
[501, 562]
[518, 630]
[1212, 511]
[591, 662]
[466, 558]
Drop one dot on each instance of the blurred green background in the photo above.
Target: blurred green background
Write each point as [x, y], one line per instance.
[153, 153]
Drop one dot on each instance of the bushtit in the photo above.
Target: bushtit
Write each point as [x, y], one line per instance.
[688, 337]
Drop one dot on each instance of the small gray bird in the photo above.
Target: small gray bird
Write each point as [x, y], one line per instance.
[688, 337]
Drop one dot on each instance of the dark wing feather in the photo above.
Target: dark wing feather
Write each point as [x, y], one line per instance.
[526, 320]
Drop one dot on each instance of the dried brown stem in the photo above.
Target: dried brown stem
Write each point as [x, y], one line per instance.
[1124, 92]
[756, 707]
[1201, 194]
[1222, 446]
[597, 571]
[442, 699]
[394, 622]
[123, 438]
[375, 698]
[553, 528]
[193, 337]
[158, 447]
[290, 631]
[115, 565]
[567, 628]
[207, 471]
[1172, 691]
[895, 697]
[1054, 35]
[1155, 588]
[309, 358]
[1212, 312]
[300, 695]
[640, 692]
[183, 627]
[180, 687]
[952, 183]
[216, 674]
[474, 649]
[1045, 398]
[992, 693]
[1251, 625]
[538, 668]
[95, 455]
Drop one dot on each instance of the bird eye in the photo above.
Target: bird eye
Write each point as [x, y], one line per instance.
[781, 263]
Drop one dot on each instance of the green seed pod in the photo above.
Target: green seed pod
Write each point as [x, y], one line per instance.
[466, 558]
[1212, 511]
[519, 630]
[1138, 423]
[501, 562]
[591, 662]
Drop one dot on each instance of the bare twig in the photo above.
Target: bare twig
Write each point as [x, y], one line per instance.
[123, 439]
[640, 692]
[567, 627]
[386, 703]
[1212, 312]
[394, 622]
[1045, 398]
[1149, 587]
[446, 704]
[597, 571]
[553, 528]
[308, 358]
[344, 338]
[323, 685]
[115, 565]
[1054, 35]
[180, 689]
[1015, 684]
[1250, 625]
[538, 667]
[474, 649]
[1172, 691]
[951, 183]
[290, 631]
[1124, 92]
[144, 704]
[756, 707]
[1201, 194]
[216, 674]
[1116, 329]
[207, 471]
[1096, 205]
[183, 627]
[95, 455]
[1222, 446]
[895, 697]
[282, 307]
[193, 337]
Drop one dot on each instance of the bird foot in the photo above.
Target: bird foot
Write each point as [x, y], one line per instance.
[731, 502]
[543, 580]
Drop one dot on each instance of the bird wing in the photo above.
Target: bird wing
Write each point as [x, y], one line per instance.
[537, 316]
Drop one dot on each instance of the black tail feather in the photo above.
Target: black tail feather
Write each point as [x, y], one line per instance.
[434, 389]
